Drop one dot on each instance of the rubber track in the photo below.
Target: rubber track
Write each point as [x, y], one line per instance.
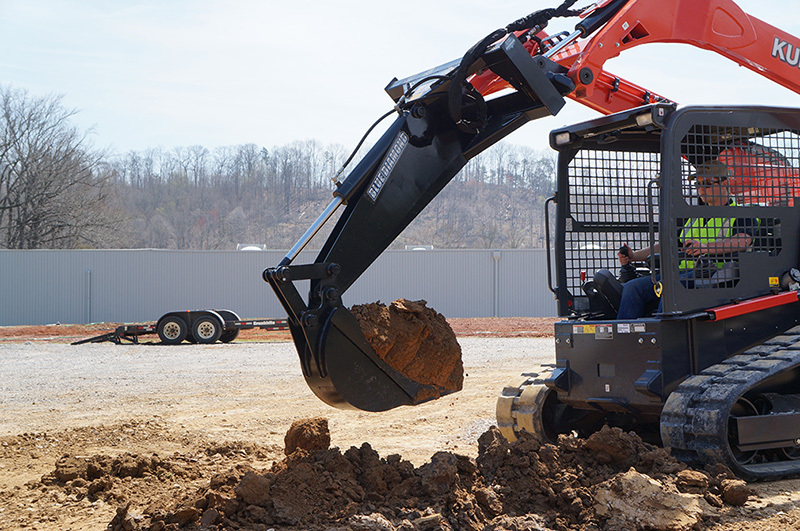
[694, 421]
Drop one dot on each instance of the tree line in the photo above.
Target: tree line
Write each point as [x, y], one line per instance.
[57, 191]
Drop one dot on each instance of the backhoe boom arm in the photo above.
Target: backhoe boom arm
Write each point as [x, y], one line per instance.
[444, 118]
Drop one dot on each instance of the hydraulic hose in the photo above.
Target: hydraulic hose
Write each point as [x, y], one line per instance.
[537, 19]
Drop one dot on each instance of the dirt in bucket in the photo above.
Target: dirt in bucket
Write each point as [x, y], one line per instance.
[416, 341]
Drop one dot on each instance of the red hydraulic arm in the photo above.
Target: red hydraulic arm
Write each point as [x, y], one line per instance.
[717, 25]
[615, 93]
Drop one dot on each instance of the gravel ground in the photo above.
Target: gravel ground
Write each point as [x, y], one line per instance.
[179, 401]
[48, 386]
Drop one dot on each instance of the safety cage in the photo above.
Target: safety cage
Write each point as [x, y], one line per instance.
[724, 180]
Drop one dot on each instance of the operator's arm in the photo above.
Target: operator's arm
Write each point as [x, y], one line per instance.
[738, 242]
[636, 256]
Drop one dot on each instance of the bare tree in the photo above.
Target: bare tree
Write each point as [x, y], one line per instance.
[248, 158]
[193, 198]
[53, 191]
[498, 157]
[198, 166]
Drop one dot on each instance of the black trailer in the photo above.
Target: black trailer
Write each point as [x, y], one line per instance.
[195, 326]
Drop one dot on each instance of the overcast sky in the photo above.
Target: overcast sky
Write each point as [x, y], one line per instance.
[183, 72]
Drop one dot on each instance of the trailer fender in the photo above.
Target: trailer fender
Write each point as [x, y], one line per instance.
[228, 334]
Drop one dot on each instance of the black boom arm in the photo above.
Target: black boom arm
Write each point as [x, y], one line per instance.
[414, 159]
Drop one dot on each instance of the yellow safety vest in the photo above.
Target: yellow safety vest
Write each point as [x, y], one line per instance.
[705, 231]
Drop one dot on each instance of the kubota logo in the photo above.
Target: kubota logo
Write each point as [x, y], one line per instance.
[786, 52]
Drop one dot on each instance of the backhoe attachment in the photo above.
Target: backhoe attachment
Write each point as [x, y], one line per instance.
[407, 167]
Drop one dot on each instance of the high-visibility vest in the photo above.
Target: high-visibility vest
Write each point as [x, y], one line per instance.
[705, 231]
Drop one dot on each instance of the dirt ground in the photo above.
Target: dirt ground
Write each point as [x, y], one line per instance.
[474, 327]
[197, 462]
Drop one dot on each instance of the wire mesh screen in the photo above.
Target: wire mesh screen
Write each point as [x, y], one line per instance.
[760, 166]
[736, 167]
[608, 207]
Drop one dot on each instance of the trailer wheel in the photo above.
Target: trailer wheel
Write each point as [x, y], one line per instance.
[207, 329]
[172, 330]
[228, 335]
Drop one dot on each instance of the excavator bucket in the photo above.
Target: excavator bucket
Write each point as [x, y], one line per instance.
[407, 167]
[362, 379]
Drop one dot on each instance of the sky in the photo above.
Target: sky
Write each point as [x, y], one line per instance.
[169, 73]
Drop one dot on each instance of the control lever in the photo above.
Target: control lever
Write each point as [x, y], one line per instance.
[628, 271]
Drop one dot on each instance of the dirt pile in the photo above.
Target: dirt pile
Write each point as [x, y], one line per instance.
[99, 476]
[414, 340]
[311, 435]
[80, 484]
[610, 481]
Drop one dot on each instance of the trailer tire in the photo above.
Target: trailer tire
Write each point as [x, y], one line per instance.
[229, 335]
[172, 330]
[207, 329]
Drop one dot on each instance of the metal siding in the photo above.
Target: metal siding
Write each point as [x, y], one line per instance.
[456, 283]
[40, 287]
[45, 286]
[523, 284]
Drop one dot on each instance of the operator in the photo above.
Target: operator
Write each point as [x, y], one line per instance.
[700, 237]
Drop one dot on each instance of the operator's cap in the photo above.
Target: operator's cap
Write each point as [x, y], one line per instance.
[712, 171]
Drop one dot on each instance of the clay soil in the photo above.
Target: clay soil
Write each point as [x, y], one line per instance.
[473, 327]
[207, 469]
[417, 342]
